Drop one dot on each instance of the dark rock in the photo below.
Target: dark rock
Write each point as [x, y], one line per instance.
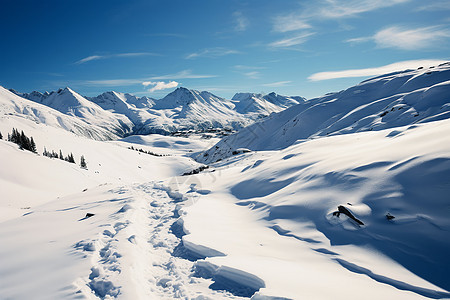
[345, 211]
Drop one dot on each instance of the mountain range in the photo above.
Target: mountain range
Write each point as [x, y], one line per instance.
[183, 109]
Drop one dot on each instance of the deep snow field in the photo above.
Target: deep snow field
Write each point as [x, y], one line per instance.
[266, 224]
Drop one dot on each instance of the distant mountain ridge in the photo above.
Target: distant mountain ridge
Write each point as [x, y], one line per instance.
[392, 100]
[183, 109]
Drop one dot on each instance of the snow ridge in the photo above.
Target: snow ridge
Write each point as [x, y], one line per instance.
[397, 99]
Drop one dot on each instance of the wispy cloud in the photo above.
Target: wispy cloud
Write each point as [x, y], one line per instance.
[252, 74]
[244, 67]
[292, 41]
[407, 38]
[131, 54]
[435, 6]
[160, 85]
[288, 23]
[241, 22]
[212, 53]
[410, 39]
[185, 74]
[398, 66]
[89, 58]
[334, 9]
[277, 84]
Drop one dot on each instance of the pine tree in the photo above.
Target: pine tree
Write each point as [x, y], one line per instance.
[1, 136]
[61, 156]
[83, 162]
[32, 146]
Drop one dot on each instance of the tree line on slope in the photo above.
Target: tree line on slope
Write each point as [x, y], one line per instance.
[27, 143]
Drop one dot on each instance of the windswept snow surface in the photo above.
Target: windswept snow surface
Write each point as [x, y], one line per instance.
[387, 101]
[270, 216]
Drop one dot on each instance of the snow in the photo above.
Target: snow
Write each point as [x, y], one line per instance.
[183, 109]
[274, 220]
[397, 99]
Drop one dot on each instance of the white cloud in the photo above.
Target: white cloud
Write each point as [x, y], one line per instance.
[277, 84]
[435, 6]
[253, 74]
[131, 54]
[333, 9]
[89, 58]
[292, 41]
[398, 66]
[160, 85]
[244, 67]
[185, 74]
[360, 40]
[407, 38]
[290, 22]
[241, 22]
[212, 53]
[410, 39]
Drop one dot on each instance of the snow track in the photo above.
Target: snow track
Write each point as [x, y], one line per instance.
[140, 254]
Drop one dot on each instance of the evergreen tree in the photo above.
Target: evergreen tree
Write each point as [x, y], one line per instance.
[61, 156]
[83, 162]
[1, 136]
[32, 145]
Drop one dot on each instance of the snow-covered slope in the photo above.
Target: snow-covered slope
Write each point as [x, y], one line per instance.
[263, 104]
[397, 99]
[71, 103]
[13, 108]
[273, 224]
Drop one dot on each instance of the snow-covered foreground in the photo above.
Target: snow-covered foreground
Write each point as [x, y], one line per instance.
[258, 224]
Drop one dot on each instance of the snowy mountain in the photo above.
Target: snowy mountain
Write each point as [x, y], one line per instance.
[183, 109]
[263, 104]
[396, 99]
[71, 103]
[13, 107]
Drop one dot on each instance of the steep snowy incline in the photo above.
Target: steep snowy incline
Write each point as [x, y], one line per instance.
[355, 216]
[15, 108]
[71, 103]
[397, 99]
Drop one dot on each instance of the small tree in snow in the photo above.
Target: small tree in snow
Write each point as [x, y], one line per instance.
[1, 136]
[83, 162]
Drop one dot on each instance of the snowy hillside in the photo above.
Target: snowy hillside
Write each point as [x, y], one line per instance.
[397, 99]
[13, 108]
[262, 104]
[71, 103]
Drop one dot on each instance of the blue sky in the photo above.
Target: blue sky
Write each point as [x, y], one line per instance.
[305, 48]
